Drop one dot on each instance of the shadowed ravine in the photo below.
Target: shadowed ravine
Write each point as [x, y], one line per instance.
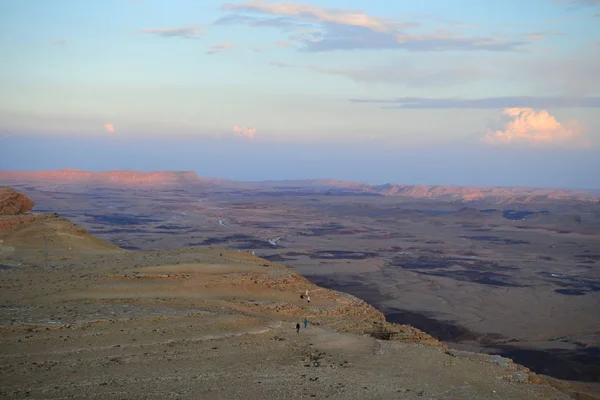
[577, 365]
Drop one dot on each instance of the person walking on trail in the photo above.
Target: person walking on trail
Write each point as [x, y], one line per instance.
[305, 323]
[298, 328]
[301, 297]
[308, 299]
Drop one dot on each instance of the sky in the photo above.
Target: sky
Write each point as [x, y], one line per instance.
[453, 92]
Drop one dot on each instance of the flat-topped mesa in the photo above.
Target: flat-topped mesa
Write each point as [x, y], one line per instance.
[117, 178]
[14, 203]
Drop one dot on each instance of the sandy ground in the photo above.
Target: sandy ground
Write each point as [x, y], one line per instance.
[209, 324]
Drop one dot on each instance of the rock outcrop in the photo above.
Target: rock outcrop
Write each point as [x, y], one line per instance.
[13, 203]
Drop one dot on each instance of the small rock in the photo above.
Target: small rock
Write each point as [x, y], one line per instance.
[519, 377]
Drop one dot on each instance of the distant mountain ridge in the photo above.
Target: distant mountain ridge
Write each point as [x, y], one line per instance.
[441, 192]
[504, 194]
[316, 186]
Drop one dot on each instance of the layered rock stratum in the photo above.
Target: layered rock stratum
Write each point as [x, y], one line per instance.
[82, 318]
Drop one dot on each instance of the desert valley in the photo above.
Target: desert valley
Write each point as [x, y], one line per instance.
[297, 199]
[505, 271]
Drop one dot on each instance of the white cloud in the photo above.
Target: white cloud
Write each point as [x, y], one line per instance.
[314, 13]
[518, 126]
[110, 128]
[245, 131]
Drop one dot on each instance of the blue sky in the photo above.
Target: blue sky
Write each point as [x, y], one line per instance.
[495, 93]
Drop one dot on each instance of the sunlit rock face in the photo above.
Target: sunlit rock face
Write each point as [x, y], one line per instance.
[108, 177]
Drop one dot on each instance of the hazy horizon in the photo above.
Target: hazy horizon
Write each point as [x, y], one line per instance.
[352, 163]
[434, 92]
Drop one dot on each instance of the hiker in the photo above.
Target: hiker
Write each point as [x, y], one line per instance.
[298, 328]
[308, 299]
[305, 323]
[301, 297]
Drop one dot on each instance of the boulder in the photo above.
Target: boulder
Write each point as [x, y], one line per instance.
[14, 203]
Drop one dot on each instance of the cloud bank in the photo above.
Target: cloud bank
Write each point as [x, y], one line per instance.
[526, 126]
[486, 102]
[351, 30]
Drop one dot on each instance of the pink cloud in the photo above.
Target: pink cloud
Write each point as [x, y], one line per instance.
[528, 126]
[245, 131]
[390, 33]
[310, 12]
[110, 128]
